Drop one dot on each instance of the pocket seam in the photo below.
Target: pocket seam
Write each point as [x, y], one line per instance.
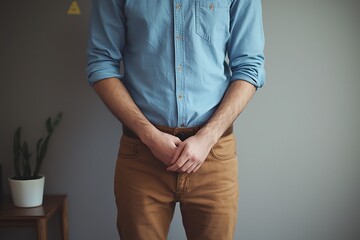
[138, 150]
[217, 5]
[221, 158]
[204, 6]
[225, 156]
[203, 34]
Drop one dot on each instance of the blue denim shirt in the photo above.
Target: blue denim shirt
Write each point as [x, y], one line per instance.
[179, 56]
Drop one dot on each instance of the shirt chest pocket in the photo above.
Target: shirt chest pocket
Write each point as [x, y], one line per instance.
[212, 19]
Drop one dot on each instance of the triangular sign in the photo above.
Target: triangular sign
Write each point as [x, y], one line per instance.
[74, 9]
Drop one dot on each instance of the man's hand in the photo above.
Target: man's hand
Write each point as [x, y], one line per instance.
[190, 154]
[163, 146]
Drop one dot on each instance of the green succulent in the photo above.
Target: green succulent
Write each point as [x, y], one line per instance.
[22, 155]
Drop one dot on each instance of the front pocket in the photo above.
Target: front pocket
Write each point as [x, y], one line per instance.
[212, 18]
[129, 149]
[225, 148]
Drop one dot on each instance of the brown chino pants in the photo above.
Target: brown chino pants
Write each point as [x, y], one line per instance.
[146, 194]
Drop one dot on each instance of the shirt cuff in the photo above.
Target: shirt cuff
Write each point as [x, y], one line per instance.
[97, 74]
[257, 82]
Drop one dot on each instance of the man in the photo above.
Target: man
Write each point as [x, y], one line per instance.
[176, 100]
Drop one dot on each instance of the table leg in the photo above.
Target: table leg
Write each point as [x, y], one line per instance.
[64, 221]
[42, 228]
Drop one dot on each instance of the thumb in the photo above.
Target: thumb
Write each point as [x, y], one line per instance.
[177, 141]
[178, 152]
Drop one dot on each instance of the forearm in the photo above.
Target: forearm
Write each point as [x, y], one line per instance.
[233, 103]
[118, 100]
[191, 153]
[116, 97]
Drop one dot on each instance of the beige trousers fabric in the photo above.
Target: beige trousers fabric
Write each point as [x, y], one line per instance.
[146, 194]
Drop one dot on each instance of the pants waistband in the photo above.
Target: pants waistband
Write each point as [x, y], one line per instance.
[181, 133]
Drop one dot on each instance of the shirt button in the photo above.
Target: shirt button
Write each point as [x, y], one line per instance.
[211, 6]
[178, 6]
[181, 96]
[178, 37]
[182, 125]
[180, 68]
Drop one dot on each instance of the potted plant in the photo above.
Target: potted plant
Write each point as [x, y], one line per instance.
[27, 186]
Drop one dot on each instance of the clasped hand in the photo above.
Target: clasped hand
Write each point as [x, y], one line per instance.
[187, 156]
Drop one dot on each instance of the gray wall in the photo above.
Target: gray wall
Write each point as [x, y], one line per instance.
[298, 140]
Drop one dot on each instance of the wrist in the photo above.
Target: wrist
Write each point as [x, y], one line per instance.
[148, 134]
[209, 135]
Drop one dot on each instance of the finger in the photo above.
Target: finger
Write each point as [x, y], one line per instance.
[197, 168]
[192, 167]
[178, 164]
[177, 141]
[177, 153]
[186, 166]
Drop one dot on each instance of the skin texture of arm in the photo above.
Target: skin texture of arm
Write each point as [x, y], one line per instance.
[115, 96]
[191, 153]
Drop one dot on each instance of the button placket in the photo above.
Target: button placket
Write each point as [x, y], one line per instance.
[179, 60]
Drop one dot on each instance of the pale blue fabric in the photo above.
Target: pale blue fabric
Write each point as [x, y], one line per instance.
[174, 53]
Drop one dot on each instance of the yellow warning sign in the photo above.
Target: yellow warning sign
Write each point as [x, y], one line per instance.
[74, 9]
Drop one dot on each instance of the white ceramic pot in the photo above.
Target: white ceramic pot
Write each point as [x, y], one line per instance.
[27, 193]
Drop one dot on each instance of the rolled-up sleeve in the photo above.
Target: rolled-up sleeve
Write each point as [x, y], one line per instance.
[106, 40]
[246, 43]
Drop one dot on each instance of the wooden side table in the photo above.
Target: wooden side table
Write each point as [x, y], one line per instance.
[11, 216]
